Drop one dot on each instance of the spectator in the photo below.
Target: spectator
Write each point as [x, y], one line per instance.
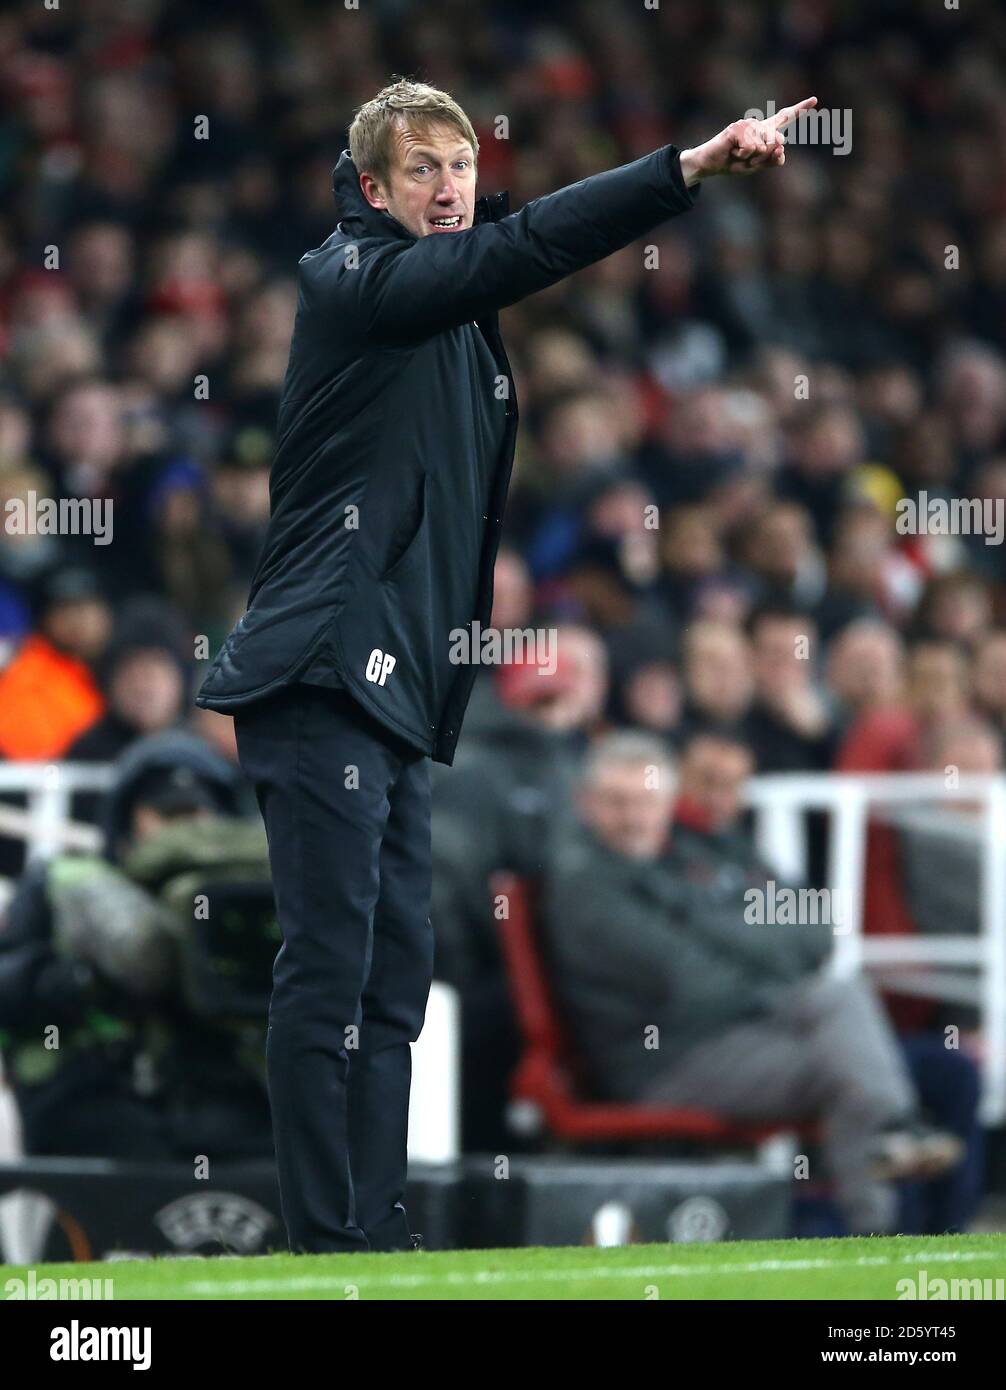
[941, 844]
[708, 825]
[719, 681]
[864, 669]
[87, 951]
[674, 998]
[889, 739]
[955, 608]
[48, 692]
[989, 674]
[782, 555]
[144, 679]
[789, 724]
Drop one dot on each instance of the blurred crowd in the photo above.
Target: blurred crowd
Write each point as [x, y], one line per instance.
[717, 428]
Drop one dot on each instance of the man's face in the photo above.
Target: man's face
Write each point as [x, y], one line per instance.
[627, 813]
[712, 774]
[777, 663]
[864, 664]
[147, 821]
[80, 626]
[974, 752]
[146, 690]
[718, 672]
[431, 187]
[938, 679]
[990, 673]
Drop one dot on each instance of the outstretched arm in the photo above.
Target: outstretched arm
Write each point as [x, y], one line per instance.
[404, 291]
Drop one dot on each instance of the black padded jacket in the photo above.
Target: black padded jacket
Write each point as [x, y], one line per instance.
[395, 444]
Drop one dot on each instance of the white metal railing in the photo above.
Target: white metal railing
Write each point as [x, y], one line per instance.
[957, 969]
[779, 802]
[45, 825]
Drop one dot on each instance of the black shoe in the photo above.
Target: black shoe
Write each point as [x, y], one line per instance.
[417, 1242]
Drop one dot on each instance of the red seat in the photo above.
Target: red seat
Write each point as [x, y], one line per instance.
[546, 1075]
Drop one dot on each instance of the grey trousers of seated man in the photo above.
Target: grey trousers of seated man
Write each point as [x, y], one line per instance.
[827, 1054]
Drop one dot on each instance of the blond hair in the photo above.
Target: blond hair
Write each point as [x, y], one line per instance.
[414, 103]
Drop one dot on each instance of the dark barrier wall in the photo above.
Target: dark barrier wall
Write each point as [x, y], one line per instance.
[96, 1210]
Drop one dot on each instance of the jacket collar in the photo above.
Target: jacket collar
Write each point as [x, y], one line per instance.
[360, 219]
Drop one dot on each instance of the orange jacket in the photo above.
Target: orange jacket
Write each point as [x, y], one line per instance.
[46, 699]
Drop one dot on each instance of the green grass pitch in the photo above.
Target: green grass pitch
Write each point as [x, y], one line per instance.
[867, 1268]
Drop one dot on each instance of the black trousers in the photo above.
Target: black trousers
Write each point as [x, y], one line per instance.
[346, 806]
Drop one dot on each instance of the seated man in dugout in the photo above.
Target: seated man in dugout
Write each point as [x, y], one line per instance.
[677, 994]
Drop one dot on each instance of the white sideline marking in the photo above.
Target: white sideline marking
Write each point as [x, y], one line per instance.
[488, 1276]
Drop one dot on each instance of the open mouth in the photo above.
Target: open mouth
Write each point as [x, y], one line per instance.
[446, 224]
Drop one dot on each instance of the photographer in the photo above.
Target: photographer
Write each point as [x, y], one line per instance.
[111, 1032]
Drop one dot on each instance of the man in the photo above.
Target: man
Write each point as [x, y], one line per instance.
[708, 826]
[396, 438]
[676, 997]
[863, 670]
[98, 945]
[718, 675]
[48, 691]
[789, 725]
[941, 842]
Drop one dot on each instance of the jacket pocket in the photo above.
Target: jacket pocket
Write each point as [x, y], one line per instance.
[407, 536]
[392, 616]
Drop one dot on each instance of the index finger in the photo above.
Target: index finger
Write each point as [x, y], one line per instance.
[790, 113]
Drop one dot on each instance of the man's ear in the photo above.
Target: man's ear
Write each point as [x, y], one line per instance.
[373, 192]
